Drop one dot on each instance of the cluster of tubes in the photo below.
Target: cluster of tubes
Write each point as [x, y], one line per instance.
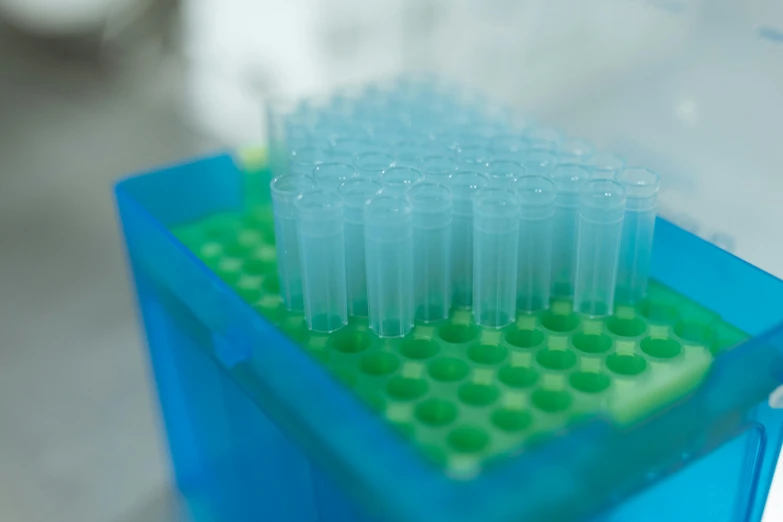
[400, 202]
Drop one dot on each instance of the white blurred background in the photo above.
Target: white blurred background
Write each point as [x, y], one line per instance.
[91, 90]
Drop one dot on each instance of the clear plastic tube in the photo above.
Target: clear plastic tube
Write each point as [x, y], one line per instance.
[478, 132]
[295, 138]
[575, 151]
[285, 132]
[410, 153]
[331, 175]
[345, 149]
[304, 160]
[543, 139]
[568, 185]
[536, 195]
[601, 211]
[373, 164]
[503, 172]
[431, 204]
[464, 185]
[641, 198]
[438, 169]
[603, 165]
[447, 137]
[495, 251]
[328, 128]
[543, 146]
[397, 180]
[473, 157]
[355, 193]
[509, 147]
[540, 162]
[388, 237]
[285, 189]
[322, 258]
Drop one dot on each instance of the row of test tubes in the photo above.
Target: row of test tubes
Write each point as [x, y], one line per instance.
[461, 210]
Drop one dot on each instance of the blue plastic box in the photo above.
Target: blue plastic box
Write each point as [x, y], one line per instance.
[259, 431]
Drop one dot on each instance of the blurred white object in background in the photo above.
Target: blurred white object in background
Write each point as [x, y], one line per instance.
[239, 51]
[68, 17]
[532, 53]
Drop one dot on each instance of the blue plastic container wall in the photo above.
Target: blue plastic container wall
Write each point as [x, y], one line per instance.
[259, 430]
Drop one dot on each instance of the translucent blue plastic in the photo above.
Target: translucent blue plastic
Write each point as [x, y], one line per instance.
[641, 191]
[398, 180]
[540, 162]
[259, 430]
[285, 190]
[503, 172]
[601, 212]
[534, 270]
[431, 207]
[355, 193]
[332, 175]
[322, 259]
[373, 164]
[303, 160]
[568, 185]
[509, 147]
[438, 169]
[495, 240]
[473, 156]
[575, 151]
[464, 185]
[603, 165]
[388, 240]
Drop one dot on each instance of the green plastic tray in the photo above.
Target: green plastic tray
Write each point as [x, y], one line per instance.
[466, 394]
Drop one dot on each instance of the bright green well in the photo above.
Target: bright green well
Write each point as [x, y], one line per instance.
[465, 394]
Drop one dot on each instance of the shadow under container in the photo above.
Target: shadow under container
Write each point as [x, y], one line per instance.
[260, 430]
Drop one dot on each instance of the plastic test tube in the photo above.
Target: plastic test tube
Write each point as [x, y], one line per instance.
[372, 164]
[397, 180]
[473, 157]
[534, 269]
[601, 210]
[410, 153]
[322, 259]
[438, 169]
[543, 139]
[448, 138]
[495, 243]
[345, 149]
[641, 196]
[331, 175]
[431, 205]
[355, 193]
[576, 151]
[285, 189]
[509, 147]
[388, 238]
[464, 186]
[502, 173]
[603, 165]
[304, 160]
[388, 133]
[540, 162]
[568, 185]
